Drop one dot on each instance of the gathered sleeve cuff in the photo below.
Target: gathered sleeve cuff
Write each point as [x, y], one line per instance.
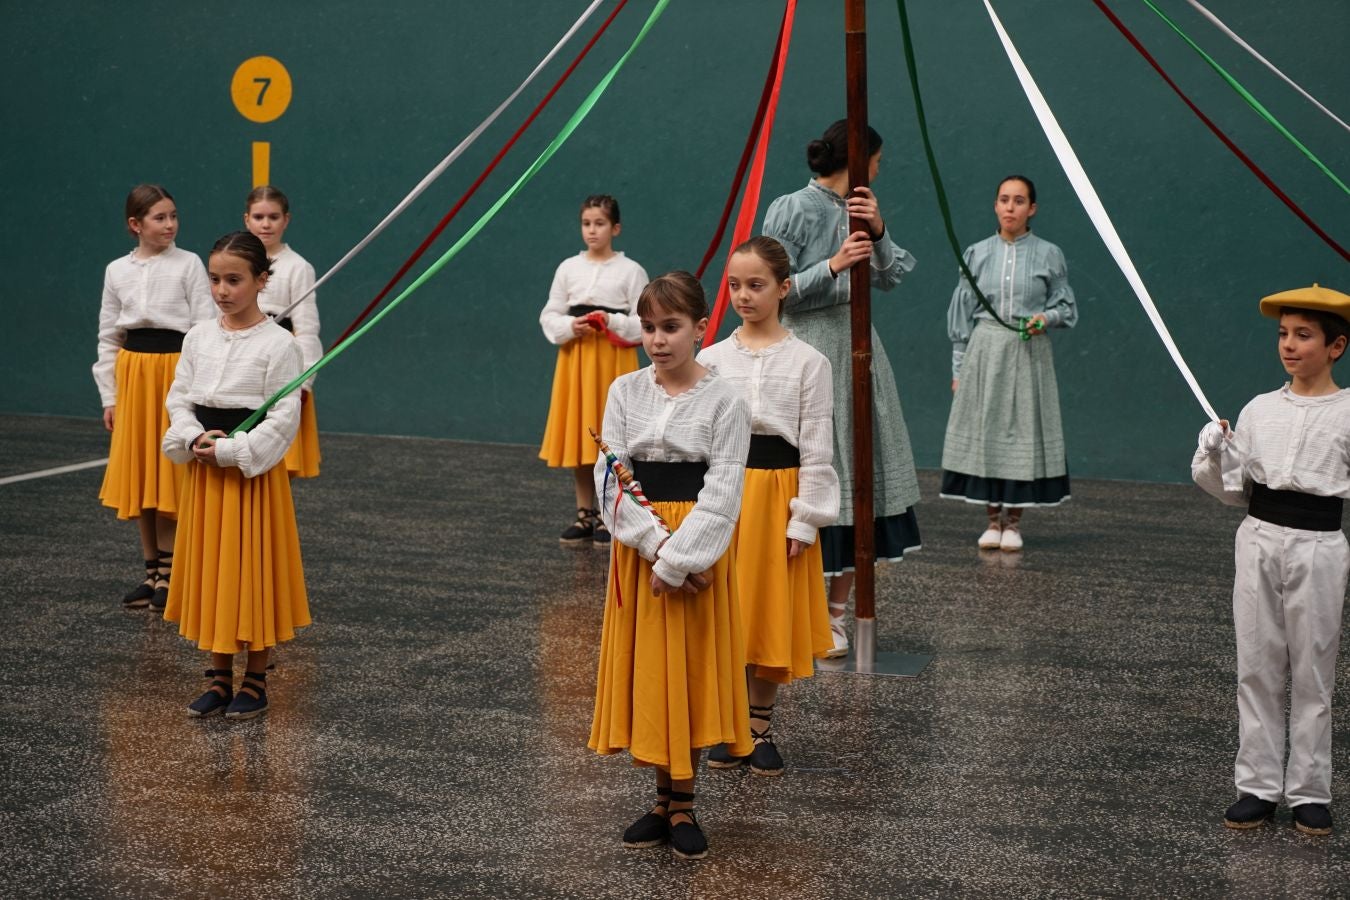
[817, 502]
[255, 452]
[555, 320]
[889, 263]
[706, 532]
[1061, 309]
[110, 340]
[1220, 473]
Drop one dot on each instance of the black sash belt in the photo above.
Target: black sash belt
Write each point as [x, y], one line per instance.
[1295, 509]
[670, 481]
[582, 309]
[153, 340]
[213, 418]
[769, 451]
[286, 323]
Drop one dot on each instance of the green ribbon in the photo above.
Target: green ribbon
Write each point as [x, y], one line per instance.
[937, 177]
[1246, 95]
[577, 117]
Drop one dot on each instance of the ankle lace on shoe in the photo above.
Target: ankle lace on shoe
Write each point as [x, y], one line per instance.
[163, 569]
[765, 758]
[139, 598]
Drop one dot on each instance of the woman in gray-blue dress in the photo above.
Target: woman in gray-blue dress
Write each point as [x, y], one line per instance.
[812, 225]
[1005, 443]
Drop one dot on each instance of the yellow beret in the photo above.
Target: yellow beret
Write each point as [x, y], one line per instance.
[1314, 297]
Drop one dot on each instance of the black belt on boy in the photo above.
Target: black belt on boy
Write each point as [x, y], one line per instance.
[669, 481]
[153, 340]
[771, 451]
[215, 418]
[1295, 509]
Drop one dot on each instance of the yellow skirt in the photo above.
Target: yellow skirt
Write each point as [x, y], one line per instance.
[586, 368]
[672, 668]
[783, 603]
[238, 583]
[302, 459]
[138, 475]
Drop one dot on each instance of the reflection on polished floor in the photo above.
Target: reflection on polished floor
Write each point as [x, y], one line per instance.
[1073, 735]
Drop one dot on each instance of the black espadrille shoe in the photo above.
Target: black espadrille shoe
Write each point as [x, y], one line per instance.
[139, 598]
[686, 837]
[765, 758]
[653, 829]
[251, 699]
[213, 701]
[720, 757]
[583, 529]
[1249, 812]
[1312, 818]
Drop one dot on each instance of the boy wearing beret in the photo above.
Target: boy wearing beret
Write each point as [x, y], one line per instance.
[1287, 460]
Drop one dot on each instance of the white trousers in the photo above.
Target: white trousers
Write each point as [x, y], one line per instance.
[1288, 594]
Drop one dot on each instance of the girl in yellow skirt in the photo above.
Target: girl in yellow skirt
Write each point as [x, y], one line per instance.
[240, 584]
[791, 490]
[591, 316]
[267, 213]
[151, 297]
[672, 656]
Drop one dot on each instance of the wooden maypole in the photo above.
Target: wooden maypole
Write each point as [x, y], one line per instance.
[860, 299]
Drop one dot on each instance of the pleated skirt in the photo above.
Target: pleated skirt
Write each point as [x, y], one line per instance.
[302, 459]
[139, 476]
[892, 538]
[238, 582]
[1005, 440]
[672, 668]
[783, 604]
[586, 368]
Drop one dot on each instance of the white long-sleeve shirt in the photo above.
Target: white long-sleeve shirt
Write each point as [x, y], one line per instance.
[1286, 442]
[168, 290]
[235, 370]
[291, 278]
[614, 284]
[788, 389]
[707, 423]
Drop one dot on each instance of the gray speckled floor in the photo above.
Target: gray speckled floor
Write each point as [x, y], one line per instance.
[1073, 736]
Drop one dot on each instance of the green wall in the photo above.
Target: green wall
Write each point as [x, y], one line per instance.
[101, 96]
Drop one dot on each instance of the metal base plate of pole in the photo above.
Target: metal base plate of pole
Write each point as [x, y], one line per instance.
[863, 658]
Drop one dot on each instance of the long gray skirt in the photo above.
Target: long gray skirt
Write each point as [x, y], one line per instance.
[895, 484]
[1005, 440]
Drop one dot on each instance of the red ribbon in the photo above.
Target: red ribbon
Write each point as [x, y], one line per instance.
[1256, 170]
[755, 125]
[600, 322]
[745, 221]
[454, 210]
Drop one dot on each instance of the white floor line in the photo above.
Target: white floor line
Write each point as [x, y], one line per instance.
[59, 470]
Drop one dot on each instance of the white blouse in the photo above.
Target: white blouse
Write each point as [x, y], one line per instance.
[787, 386]
[235, 370]
[707, 423]
[614, 284]
[1286, 442]
[168, 290]
[291, 278]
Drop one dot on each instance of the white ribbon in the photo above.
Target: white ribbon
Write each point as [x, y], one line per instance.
[1087, 195]
[445, 163]
[1267, 63]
